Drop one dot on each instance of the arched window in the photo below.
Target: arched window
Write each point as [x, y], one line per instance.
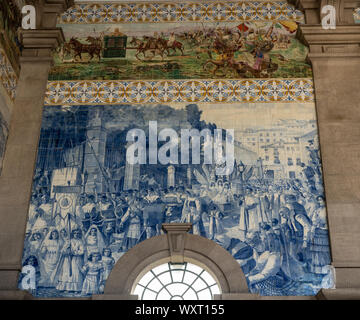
[177, 282]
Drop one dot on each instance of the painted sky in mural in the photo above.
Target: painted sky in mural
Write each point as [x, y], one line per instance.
[181, 50]
[89, 206]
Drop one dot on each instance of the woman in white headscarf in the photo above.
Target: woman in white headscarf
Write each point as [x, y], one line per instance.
[50, 252]
[94, 240]
[68, 275]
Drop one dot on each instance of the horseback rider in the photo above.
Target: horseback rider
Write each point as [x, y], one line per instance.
[171, 40]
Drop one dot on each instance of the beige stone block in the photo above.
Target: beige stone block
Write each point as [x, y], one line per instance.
[332, 107]
[342, 188]
[347, 278]
[341, 158]
[8, 278]
[19, 162]
[15, 295]
[333, 132]
[12, 245]
[344, 226]
[28, 115]
[340, 294]
[16, 214]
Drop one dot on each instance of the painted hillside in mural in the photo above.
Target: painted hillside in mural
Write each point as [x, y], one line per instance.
[90, 205]
[183, 50]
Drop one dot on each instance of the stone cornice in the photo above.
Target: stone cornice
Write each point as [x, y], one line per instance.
[344, 41]
[38, 45]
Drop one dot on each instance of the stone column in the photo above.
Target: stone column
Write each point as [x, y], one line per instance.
[335, 58]
[21, 150]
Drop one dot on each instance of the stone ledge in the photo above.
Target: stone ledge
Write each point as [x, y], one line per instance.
[251, 296]
[15, 295]
[344, 41]
[339, 294]
[43, 38]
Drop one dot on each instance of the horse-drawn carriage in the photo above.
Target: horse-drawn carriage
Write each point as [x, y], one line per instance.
[115, 46]
[106, 47]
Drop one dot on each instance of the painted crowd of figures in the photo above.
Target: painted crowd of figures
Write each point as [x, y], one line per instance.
[277, 230]
[247, 50]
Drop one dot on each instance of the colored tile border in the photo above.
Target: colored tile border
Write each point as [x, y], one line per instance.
[140, 12]
[172, 91]
[8, 76]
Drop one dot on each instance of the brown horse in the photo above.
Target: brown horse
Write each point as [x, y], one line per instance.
[79, 48]
[95, 41]
[148, 44]
[175, 45]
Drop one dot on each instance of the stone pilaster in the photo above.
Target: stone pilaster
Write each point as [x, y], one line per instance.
[335, 58]
[21, 149]
[312, 9]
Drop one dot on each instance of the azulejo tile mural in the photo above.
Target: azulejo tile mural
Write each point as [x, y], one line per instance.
[222, 90]
[181, 50]
[90, 204]
[8, 76]
[185, 11]
[357, 15]
[206, 66]
[10, 22]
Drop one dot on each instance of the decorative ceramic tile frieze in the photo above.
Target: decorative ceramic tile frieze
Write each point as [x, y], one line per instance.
[177, 12]
[166, 91]
[7, 75]
[357, 15]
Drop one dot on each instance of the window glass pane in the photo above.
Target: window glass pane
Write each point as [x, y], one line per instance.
[205, 295]
[149, 295]
[177, 282]
[177, 275]
[160, 269]
[155, 285]
[215, 289]
[189, 277]
[164, 295]
[190, 295]
[165, 278]
[208, 278]
[177, 288]
[194, 268]
[199, 285]
[138, 290]
[146, 279]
